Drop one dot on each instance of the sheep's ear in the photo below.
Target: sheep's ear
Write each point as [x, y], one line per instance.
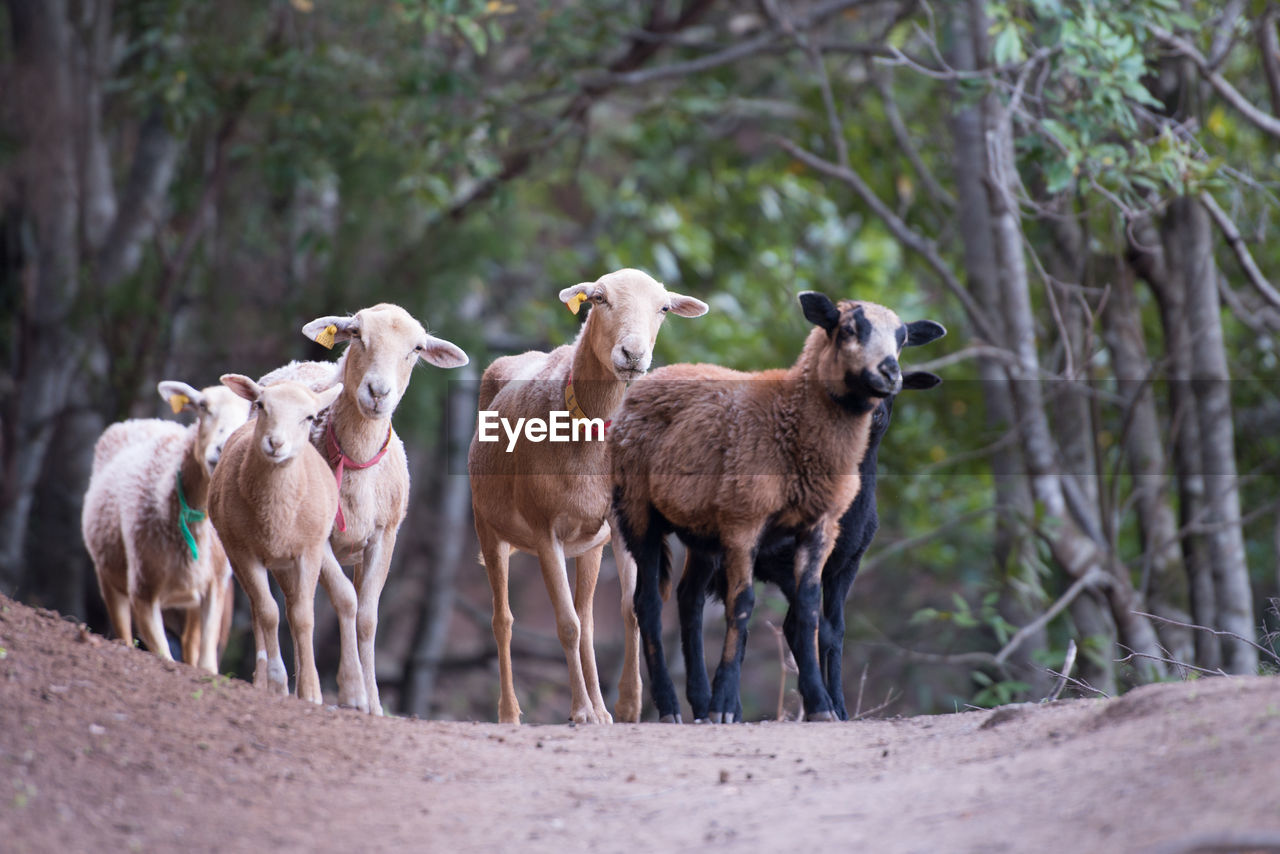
[325, 399]
[919, 380]
[922, 332]
[441, 353]
[819, 310]
[686, 306]
[179, 395]
[328, 331]
[242, 385]
[575, 296]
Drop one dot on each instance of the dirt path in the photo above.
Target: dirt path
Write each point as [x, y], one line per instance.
[109, 749]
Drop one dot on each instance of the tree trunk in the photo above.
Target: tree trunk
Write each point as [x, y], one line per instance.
[1072, 548]
[1164, 575]
[1022, 596]
[48, 345]
[1189, 255]
[1147, 258]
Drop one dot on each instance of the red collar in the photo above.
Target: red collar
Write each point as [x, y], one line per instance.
[340, 461]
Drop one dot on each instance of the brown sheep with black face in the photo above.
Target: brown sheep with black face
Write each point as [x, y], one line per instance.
[719, 456]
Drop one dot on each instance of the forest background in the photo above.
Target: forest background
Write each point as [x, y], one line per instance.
[1082, 192]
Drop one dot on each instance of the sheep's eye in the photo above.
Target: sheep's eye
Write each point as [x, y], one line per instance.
[598, 299]
[309, 419]
[666, 308]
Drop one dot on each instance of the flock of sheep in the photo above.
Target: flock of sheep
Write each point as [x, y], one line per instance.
[767, 476]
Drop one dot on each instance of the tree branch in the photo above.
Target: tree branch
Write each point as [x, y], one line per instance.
[905, 235]
[935, 190]
[1232, 235]
[1264, 122]
[1093, 578]
[1269, 47]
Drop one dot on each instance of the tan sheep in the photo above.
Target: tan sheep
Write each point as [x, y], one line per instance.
[144, 522]
[552, 499]
[273, 501]
[355, 436]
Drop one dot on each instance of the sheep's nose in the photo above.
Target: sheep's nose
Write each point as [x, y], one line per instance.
[889, 369]
[274, 443]
[378, 390]
[629, 355]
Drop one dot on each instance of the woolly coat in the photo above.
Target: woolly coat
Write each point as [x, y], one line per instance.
[131, 514]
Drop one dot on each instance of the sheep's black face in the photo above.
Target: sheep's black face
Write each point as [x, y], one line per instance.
[866, 340]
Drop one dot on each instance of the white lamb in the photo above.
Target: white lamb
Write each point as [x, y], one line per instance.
[356, 438]
[273, 501]
[144, 522]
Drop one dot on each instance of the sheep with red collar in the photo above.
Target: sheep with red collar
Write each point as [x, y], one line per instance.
[356, 437]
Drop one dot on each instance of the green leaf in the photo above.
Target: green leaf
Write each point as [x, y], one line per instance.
[1008, 47]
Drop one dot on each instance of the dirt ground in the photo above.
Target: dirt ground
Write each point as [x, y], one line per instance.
[104, 748]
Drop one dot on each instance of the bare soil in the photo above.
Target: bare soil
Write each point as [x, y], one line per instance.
[105, 748]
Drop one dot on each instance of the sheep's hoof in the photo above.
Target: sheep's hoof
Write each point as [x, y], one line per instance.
[670, 719]
[820, 716]
[722, 717]
[701, 720]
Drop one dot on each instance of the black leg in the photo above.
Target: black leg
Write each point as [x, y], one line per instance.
[726, 706]
[691, 596]
[648, 606]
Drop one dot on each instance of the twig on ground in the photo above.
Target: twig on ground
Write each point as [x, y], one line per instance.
[1270, 653]
[1068, 662]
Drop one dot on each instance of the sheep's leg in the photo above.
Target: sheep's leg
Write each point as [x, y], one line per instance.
[739, 602]
[370, 576]
[812, 549]
[648, 609]
[191, 636]
[556, 578]
[691, 596]
[268, 670]
[151, 628]
[228, 599]
[496, 554]
[118, 610]
[835, 592]
[299, 589]
[342, 593]
[584, 594]
[629, 699]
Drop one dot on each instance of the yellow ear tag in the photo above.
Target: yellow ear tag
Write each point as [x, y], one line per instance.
[325, 338]
[575, 302]
[178, 401]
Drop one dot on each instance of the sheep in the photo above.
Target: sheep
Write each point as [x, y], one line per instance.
[719, 457]
[143, 522]
[552, 500]
[355, 436]
[273, 501]
[775, 563]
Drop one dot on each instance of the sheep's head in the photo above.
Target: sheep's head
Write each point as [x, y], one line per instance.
[386, 343]
[628, 308]
[862, 342]
[285, 412]
[218, 414]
